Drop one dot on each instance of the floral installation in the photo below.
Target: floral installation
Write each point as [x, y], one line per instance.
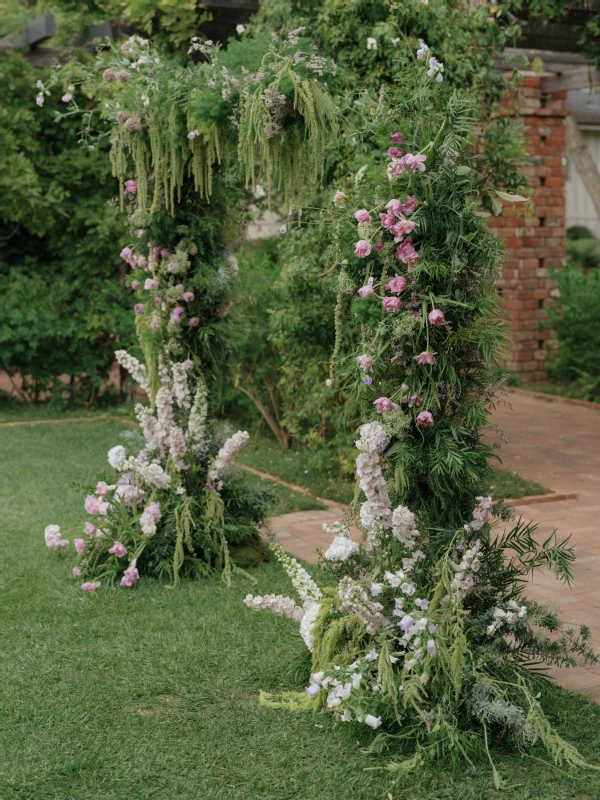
[423, 631]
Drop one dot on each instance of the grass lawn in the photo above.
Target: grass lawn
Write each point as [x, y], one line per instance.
[153, 693]
[293, 466]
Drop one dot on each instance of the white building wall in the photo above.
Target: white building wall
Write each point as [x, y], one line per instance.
[580, 209]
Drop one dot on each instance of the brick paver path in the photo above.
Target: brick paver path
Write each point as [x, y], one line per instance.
[558, 445]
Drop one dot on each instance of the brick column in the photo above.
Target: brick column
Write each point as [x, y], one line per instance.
[536, 243]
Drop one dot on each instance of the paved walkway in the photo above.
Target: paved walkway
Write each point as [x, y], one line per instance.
[558, 445]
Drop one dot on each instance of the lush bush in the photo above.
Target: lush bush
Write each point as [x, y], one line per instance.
[62, 299]
[575, 318]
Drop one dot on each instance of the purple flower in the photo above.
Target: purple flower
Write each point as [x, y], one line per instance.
[158, 301]
[368, 380]
[407, 253]
[118, 550]
[90, 587]
[397, 138]
[76, 572]
[387, 220]
[66, 98]
[192, 134]
[177, 313]
[79, 545]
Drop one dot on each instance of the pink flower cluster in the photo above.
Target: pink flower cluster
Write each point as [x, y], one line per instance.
[407, 163]
[131, 575]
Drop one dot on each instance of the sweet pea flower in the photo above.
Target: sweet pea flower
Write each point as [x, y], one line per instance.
[436, 317]
[92, 504]
[384, 404]
[66, 98]
[192, 135]
[150, 284]
[363, 216]
[426, 357]
[76, 572]
[394, 152]
[397, 138]
[118, 550]
[414, 163]
[362, 248]
[135, 285]
[90, 530]
[79, 545]
[102, 488]
[415, 401]
[402, 228]
[425, 418]
[131, 187]
[395, 168]
[139, 308]
[372, 721]
[387, 221]
[367, 289]
[339, 199]
[90, 587]
[131, 575]
[194, 322]
[397, 284]
[365, 362]
[189, 297]
[391, 304]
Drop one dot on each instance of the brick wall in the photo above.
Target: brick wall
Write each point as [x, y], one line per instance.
[535, 243]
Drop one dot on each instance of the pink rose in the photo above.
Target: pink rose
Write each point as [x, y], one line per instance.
[90, 587]
[189, 297]
[403, 228]
[365, 362]
[118, 550]
[363, 216]
[387, 220]
[76, 572]
[150, 285]
[367, 289]
[397, 284]
[425, 357]
[131, 187]
[436, 317]
[194, 322]
[362, 248]
[425, 418]
[139, 308]
[391, 304]
[135, 285]
[384, 404]
[79, 545]
[395, 168]
[92, 504]
[128, 256]
[90, 530]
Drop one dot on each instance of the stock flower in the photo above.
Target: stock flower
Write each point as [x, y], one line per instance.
[391, 304]
[341, 549]
[117, 456]
[139, 308]
[436, 317]
[118, 550]
[384, 404]
[79, 545]
[362, 248]
[367, 289]
[366, 362]
[363, 216]
[131, 187]
[150, 284]
[425, 418]
[194, 322]
[90, 587]
[426, 357]
[397, 284]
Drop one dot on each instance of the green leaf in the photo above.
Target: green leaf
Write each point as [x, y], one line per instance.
[512, 198]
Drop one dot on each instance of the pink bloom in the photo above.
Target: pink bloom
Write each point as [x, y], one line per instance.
[128, 256]
[425, 357]
[367, 289]
[366, 362]
[411, 204]
[90, 587]
[188, 364]
[414, 163]
[150, 284]
[368, 380]
[118, 550]
[165, 253]
[76, 572]
[131, 187]
[102, 488]
[425, 418]
[142, 260]
[436, 317]
[79, 545]
[394, 152]
[387, 220]
[90, 530]
[415, 400]
[395, 168]
[194, 322]
[383, 404]
[378, 245]
[139, 308]
[192, 134]
[362, 248]
[407, 253]
[158, 301]
[92, 504]
[391, 303]
[155, 323]
[398, 138]
[66, 98]
[135, 285]
[403, 228]
[397, 284]
[395, 207]
[131, 575]
[188, 297]
[363, 216]
[177, 313]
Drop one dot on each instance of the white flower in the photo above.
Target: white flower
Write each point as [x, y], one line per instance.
[431, 648]
[226, 455]
[328, 382]
[341, 549]
[39, 99]
[372, 655]
[423, 49]
[307, 624]
[346, 716]
[53, 538]
[376, 588]
[408, 589]
[239, 29]
[372, 722]
[371, 43]
[117, 456]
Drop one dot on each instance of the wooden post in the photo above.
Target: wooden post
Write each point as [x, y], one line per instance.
[586, 167]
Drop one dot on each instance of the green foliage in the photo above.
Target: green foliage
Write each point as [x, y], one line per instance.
[62, 300]
[574, 318]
